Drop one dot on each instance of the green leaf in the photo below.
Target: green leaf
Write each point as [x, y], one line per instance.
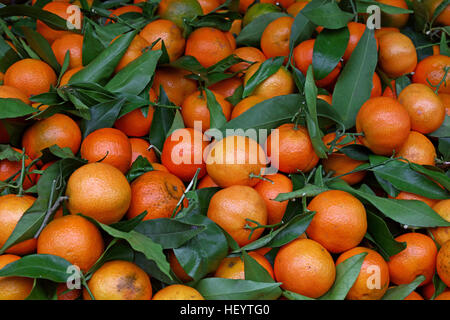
[102, 67]
[177, 123]
[265, 70]
[410, 212]
[169, 233]
[420, 41]
[140, 166]
[103, 115]
[329, 48]
[328, 15]
[116, 250]
[402, 291]
[162, 121]
[433, 173]
[254, 271]
[362, 6]
[14, 108]
[217, 118]
[42, 266]
[92, 43]
[352, 88]
[302, 28]
[444, 130]
[232, 289]
[439, 285]
[8, 55]
[356, 151]
[295, 296]
[309, 190]
[42, 290]
[8, 153]
[346, 274]
[136, 75]
[251, 34]
[41, 46]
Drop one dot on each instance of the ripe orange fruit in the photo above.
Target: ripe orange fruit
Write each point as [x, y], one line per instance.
[168, 32]
[58, 129]
[10, 168]
[249, 54]
[208, 5]
[445, 99]
[443, 263]
[140, 147]
[30, 76]
[305, 267]
[340, 222]
[62, 9]
[119, 280]
[428, 290]
[341, 163]
[397, 54]
[208, 46]
[137, 123]
[245, 104]
[157, 192]
[122, 10]
[13, 93]
[376, 86]
[356, 30]
[411, 196]
[195, 109]
[414, 296]
[394, 20]
[177, 268]
[388, 91]
[134, 51]
[226, 87]
[234, 267]
[206, 182]
[418, 149]
[425, 109]
[183, 153]
[178, 10]
[67, 75]
[373, 265]
[12, 208]
[269, 190]
[175, 84]
[443, 18]
[178, 292]
[232, 161]
[280, 83]
[385, 124]
[419, 258]
[303, 56]
[294, 151]
[441, 234]
[245, 4]
[275, 38]
[69, 42]
[443, 296]
[383, 30]
[73, 238]
[231, 207]
[108, 145]
[99, 191]
[296, 7]
[13, 288]
[431, 70]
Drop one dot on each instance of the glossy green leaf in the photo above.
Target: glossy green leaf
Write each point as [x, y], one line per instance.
[328, 15]
[402, 291]
[265, 70]
[217, 118]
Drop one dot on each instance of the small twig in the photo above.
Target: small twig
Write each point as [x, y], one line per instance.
[51, 209]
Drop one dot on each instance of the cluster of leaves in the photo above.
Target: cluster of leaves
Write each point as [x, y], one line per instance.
[98, 97]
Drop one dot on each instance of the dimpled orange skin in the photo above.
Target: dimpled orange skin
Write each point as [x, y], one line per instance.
[99, 191]
[442, 234]
[69, 42]
[183, 153]
[230, 207]
[73, 238]
[12, 208]
[178, 292]
[158, 192]
[234, 267]
[13, 288]
[275, 38]
[134, 51]
[58, 129]
[63, 10]
[360, 290]
[294, 151]
[305, 267]
[140, 147]
[247, 53]
[13, 93]
[385, 124]
[233, 159]
[108, 145]
[397, 54]
[208, 46]
[443, 263]
[432, 69]
[174, 83]
[244, 105]
[119, 280]
[168, 32]
[269, 190]
[341, 163]
[340, 222]
[280, 83]
[425, 109]
[195, 108]
[419, 258]
[30, 76]
[418, 149]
